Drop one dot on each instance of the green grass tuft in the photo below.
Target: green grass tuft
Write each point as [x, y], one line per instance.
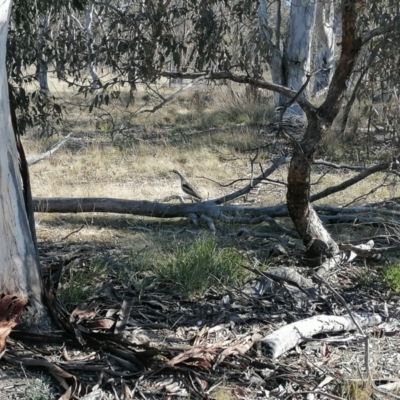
[189, 268]
[193, 268]
[391, 277]
[78, 286]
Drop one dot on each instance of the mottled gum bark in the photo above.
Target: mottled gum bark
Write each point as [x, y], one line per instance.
[305, 219]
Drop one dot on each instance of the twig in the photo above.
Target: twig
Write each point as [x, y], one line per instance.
[172, 97]
[71, 233]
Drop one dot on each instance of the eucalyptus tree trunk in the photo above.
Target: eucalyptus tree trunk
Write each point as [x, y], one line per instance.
[89, 35]
[20, 278]
[289, 67]
[44, 22]
[274, 55]
[306, 221]
[297, 56]
[325, 37]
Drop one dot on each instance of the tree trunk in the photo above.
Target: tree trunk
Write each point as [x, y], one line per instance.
[20, 278]
[325, 37]
[274, 55]
[44, 21]
[307, 223]
[91, 65]
[298, 46]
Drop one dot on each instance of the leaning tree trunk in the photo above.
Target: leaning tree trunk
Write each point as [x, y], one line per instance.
[20, 280]
[309, 226]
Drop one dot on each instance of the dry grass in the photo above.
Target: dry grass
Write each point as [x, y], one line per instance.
[207, 132]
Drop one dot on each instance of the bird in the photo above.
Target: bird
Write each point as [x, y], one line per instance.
[187, 187]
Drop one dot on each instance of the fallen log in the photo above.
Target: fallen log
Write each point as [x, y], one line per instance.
[153, 209]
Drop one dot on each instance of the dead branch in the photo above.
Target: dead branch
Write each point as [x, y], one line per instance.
[356, 210]
[39, 157]
[301, 100]
[352, 181]
[172, 97]
[289, 336]
[365, 251]
[276, 163]
[339, 166]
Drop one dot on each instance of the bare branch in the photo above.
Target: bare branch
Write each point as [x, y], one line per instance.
[381, 30]
[172, 97]
[301, 100]
[39, 157]
[344, 185]
[276, 163]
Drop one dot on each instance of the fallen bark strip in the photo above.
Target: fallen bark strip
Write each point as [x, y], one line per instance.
[289, 336]
[39, 157]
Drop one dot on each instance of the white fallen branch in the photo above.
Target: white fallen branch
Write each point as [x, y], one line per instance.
[289, 336]
[390, 387]
[39, 157]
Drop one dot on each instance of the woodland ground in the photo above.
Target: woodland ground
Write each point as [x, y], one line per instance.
[210, 134]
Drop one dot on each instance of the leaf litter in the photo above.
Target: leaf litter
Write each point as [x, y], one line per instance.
[126, 343]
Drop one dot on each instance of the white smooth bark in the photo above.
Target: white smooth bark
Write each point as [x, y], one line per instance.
[325, 46]
[274, 56]
[89, 34]
[289, 336]
[44, 21]
[298, 46]
[19, 267]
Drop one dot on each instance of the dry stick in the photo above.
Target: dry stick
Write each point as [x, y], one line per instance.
[366, 338]
[276, 278]
[33, 159]
[276, 163]
[339, 166]
[71, 233]
[172, 97]
[365, 195]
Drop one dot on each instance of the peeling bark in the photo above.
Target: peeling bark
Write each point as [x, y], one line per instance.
[10, 310]
[20, 277]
